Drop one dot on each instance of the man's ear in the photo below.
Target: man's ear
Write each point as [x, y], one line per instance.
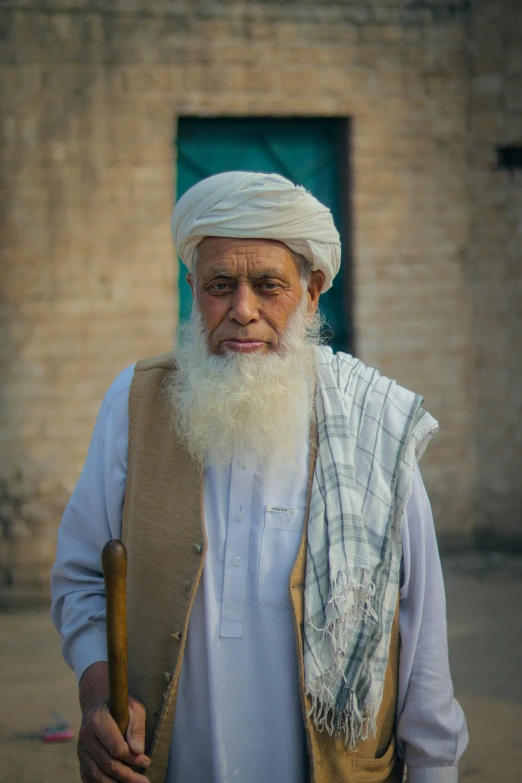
[315, 286]
[191, 282]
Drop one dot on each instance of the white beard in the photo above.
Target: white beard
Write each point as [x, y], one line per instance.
[256, 405]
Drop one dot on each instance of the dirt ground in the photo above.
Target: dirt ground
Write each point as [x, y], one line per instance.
[485, 632]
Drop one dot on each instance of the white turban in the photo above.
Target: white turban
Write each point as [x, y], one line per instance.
[257, 206]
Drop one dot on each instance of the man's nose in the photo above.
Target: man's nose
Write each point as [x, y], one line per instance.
[245, 306]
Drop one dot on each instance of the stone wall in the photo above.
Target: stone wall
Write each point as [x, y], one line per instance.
[90, 93]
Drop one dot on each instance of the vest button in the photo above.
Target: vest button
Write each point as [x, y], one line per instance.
[198, 549]
[176, 635]
[166, 676]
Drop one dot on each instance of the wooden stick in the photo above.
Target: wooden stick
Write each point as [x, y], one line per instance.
[114, 562]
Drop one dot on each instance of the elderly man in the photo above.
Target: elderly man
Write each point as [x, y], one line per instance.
[286, 604]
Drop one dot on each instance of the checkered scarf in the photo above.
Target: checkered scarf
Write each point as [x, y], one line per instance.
[370, 432]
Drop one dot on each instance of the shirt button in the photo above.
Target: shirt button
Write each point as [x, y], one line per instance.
[236, 561]
[240, 516]
[241, 464]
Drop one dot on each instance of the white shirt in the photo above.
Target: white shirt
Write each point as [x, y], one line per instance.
[238, 715]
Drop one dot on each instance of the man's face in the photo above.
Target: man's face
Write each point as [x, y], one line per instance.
[247, 289]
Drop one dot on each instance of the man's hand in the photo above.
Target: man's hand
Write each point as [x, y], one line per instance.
[104, 755]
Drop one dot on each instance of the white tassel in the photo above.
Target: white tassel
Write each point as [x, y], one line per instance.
[350, 603]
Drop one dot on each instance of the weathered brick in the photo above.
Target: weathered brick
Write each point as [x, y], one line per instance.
[209, 79]
[253, 80]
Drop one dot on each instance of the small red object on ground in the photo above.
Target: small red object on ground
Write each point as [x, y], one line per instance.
[57, 734]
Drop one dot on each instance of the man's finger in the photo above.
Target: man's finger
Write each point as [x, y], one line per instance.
[136, 730]
[107, 736]
[89, 771]
[110, 768]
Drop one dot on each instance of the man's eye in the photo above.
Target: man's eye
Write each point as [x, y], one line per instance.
[269, 285]
[220, 287]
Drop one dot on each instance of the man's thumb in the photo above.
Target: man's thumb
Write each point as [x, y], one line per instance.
[136, 730]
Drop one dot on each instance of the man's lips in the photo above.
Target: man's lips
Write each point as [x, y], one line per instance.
[243, 346]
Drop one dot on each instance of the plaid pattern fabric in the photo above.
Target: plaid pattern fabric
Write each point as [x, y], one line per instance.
[370, 432]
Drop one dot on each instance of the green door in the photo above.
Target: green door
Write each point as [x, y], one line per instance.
[310, 152]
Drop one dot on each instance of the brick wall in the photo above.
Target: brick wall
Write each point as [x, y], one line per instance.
[495, 268]
[89, 97]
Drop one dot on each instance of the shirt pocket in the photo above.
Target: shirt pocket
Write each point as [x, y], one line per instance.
[282, 530]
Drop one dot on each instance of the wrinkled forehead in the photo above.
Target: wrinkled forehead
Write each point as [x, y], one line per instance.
[239, 256]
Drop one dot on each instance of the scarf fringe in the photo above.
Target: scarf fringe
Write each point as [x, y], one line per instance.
[349, 724]
[349, 604]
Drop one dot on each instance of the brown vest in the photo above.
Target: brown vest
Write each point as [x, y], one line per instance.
[164, 531]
